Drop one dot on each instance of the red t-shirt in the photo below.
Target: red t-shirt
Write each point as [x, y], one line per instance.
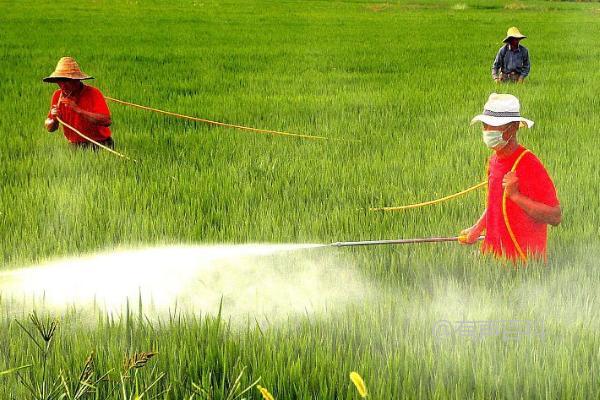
[534, 183]
[89, 99]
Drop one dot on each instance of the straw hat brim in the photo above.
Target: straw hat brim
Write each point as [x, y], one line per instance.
[499, 121]
[514, 36]
[53, 78]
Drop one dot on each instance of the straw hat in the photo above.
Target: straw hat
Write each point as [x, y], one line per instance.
[67, 68]
[513, 33]
[502, 109]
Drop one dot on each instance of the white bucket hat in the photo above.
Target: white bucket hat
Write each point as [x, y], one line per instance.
[502, 109]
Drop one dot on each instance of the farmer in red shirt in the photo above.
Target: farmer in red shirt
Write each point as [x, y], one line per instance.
[521, 199]
[81, 106]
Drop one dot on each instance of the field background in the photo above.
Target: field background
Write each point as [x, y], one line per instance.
[403, 78]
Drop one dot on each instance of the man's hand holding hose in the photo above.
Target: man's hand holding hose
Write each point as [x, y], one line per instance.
[51, 123]
[91, 117]
[471, 235]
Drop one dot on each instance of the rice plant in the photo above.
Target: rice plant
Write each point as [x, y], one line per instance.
[399, 82]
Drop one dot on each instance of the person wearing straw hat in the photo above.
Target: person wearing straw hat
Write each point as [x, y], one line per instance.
[512, 61]
[81, 106]
[521, 199]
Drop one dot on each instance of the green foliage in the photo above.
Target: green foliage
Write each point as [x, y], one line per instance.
[404, 78]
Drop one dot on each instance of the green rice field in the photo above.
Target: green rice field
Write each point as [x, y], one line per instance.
[393, 86]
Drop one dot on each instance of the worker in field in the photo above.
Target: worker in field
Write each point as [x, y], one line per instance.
[79, 105]
[512, 61]
[521, 198]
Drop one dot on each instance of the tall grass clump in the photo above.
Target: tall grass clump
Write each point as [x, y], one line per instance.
[398, 82]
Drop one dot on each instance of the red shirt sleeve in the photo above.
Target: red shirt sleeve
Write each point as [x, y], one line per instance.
[535, 183]
[55, 97]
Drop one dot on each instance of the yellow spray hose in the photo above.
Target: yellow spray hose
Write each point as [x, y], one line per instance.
[93, 141]
[505, 214]
[208, 121]
[431, 202]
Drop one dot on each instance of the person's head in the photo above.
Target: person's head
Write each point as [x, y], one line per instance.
[501, 120]
[513, 36]
[67, 75]
[69, 86]
[498, 137]
[514, 42]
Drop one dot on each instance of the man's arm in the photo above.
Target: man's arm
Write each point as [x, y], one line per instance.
[526, 65]
[471, 235]
[497, 65]
[94, 118]
[51, 124]
[540, 212]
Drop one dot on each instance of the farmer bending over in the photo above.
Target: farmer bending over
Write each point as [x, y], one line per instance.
[521, 199]
[81, 106]
[512, 60]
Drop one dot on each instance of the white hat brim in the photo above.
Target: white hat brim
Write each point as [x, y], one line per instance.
[499, 121]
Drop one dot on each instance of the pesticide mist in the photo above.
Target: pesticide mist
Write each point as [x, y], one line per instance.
[260, 281]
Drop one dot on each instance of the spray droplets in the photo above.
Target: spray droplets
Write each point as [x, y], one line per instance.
[269, 281]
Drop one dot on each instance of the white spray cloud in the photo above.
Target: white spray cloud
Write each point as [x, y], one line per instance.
[273, 281]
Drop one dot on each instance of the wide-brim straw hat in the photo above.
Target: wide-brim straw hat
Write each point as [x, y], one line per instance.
[502, 109]
[513, 33]
[67, 68]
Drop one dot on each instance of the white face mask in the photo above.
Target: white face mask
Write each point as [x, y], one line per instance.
[494, 140]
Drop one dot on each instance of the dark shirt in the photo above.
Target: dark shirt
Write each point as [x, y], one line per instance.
[508, 61]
